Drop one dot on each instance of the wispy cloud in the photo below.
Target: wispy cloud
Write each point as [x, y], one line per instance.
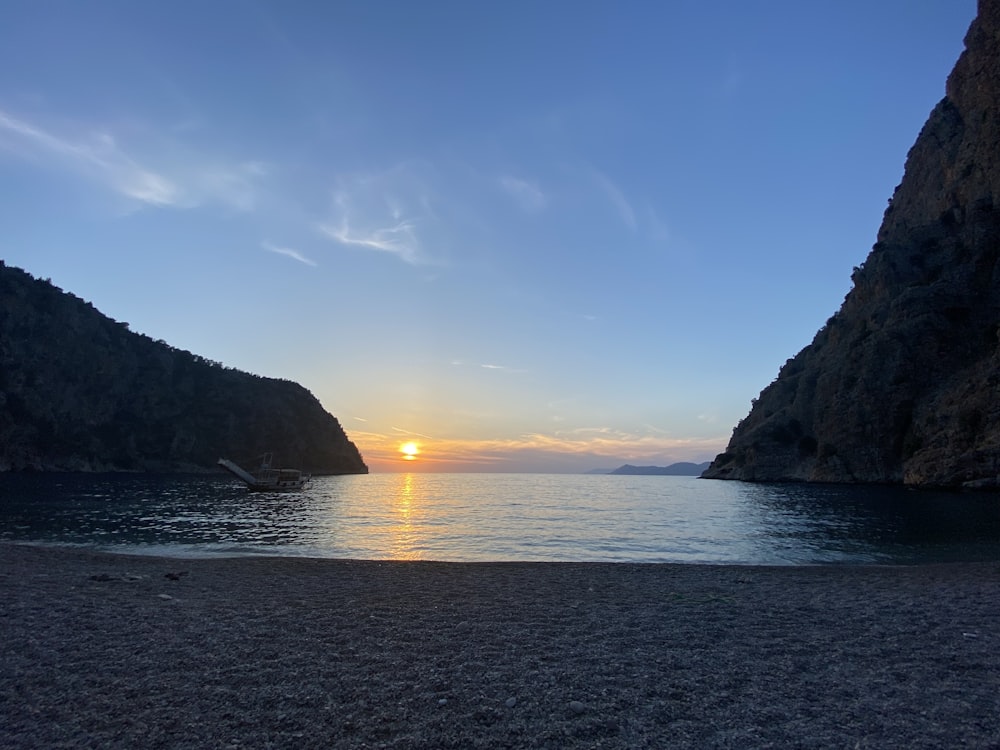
[288, 252]
[236, 186]
[503, 368]
[607, 441]
[193, 179]
[400, 238]
[657, 230]
[385, 212]
[488, 366]
[527, 194]
[97, 157]
[617, 198]
[410, 433]
[578, 449]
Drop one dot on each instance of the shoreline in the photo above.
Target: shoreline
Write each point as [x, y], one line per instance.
[114, 650]
[183, 552]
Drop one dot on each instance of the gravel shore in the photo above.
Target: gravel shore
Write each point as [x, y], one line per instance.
[114, 651]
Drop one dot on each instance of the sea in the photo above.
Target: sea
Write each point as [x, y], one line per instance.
[503, 517]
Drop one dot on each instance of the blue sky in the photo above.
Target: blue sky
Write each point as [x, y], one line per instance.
[527, 236]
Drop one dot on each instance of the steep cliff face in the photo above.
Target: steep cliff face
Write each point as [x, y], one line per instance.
[80, 392]
[902, 385]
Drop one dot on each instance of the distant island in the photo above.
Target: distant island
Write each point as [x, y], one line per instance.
[81, 392]
[680, 469]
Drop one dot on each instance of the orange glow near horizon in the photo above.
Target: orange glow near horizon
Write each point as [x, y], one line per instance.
[384, 452]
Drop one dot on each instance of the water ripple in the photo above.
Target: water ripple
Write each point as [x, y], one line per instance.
[482, 517]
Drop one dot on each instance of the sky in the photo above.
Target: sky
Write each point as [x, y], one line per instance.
[545, 235]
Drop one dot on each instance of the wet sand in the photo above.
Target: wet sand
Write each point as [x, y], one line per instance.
[114, 651]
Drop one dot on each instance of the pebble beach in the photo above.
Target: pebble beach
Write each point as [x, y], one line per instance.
[103, 650]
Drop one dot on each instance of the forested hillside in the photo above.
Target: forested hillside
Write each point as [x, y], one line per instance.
[81, 392]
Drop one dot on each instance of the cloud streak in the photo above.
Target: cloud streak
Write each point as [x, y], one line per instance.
[503, 368]
[100, 158]
[489, 366]
[382, 212]
[573, 450]
[399, 239]
[235, 186]
[410, 433]
[527, 194]
[617, 199]
[288, 253]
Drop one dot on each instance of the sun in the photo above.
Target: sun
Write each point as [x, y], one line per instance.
[410, 451]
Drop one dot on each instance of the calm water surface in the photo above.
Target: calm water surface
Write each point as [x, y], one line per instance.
[479, 517]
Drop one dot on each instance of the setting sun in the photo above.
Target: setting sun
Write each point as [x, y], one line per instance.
[409, 451]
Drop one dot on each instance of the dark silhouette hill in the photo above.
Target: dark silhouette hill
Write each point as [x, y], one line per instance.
[680, 469]
[902, 384]
[81, 392]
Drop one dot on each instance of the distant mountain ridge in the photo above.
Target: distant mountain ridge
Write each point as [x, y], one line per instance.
[80, 392]
[679, 469]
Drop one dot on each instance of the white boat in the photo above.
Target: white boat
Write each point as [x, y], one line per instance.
[266, 479]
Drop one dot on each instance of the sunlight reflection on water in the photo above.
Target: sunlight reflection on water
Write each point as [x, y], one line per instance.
[482, 517]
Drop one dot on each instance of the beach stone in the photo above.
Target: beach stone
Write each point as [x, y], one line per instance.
[510, 702]
[164, 597]
[577, 707]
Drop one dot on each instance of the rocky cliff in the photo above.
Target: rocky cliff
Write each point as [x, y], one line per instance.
[80, 392]
[902, 384]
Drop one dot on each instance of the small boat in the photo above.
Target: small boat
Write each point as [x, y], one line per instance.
[266, 479]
